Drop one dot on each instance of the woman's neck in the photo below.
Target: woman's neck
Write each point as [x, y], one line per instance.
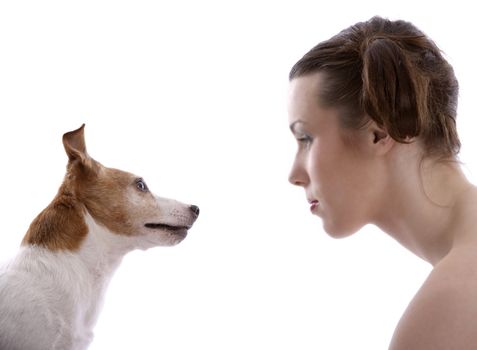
[421, 207]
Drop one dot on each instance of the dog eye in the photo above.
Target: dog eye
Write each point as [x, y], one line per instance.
[141, 185]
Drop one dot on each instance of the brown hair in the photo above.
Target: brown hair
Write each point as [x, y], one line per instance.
[391, 72]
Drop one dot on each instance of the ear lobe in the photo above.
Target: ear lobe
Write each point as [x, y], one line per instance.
[75, 145]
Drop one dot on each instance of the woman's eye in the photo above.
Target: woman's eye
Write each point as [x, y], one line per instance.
[304, 140]
[141, 185]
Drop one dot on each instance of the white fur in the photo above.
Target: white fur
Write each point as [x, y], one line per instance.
[51, 300]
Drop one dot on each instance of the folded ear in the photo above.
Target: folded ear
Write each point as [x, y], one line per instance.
[75, 146]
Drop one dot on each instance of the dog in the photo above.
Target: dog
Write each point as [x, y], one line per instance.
[51, 292]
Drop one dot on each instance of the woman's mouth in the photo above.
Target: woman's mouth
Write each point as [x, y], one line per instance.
[313, 205]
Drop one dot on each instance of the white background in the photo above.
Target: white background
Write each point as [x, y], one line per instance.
[191, 95]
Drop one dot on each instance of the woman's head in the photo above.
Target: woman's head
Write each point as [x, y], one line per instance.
[391, 73]
[353, 97]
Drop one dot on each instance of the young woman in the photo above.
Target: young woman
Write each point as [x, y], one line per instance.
[374, 112]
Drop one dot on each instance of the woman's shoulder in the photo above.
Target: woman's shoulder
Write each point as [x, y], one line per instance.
[443, 314]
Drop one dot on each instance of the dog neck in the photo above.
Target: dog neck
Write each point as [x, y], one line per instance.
[102, 251]
[100, 254]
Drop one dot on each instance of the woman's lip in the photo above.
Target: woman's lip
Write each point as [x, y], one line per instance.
[313, 204]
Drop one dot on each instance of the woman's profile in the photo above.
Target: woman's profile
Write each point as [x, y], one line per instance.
[373, 110]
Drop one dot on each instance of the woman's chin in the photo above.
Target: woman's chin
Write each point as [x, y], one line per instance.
[339, 231]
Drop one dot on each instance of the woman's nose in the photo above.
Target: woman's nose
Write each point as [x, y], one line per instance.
[297, 175]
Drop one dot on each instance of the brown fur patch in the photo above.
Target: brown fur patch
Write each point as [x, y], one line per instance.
[88, 186]
[105, 197]
[60, 226]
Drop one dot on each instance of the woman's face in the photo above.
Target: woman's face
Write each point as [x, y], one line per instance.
[335, 166]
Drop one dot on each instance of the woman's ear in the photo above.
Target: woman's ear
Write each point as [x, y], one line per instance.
[379, 139]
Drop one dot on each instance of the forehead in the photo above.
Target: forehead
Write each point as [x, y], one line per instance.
[304, 93]
[303, 102]
[306, 86]
[116, 177]
[103, 178]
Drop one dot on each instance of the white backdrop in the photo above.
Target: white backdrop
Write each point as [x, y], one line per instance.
[191, 95]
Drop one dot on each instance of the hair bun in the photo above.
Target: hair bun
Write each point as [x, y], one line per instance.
[392, 90]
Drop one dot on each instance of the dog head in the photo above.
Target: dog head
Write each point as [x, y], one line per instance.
[121, 201]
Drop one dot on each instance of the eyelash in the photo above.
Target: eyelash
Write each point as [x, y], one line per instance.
[304, 140]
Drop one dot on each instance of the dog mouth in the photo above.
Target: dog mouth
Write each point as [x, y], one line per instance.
[173, 228]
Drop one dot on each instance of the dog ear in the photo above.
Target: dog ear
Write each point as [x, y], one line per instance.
[75, 145]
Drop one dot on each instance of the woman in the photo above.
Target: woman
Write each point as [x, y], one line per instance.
[373, 110]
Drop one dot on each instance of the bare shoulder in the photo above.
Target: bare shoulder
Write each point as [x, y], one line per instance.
[443, 314]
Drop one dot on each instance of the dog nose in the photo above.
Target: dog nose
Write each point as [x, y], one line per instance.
[195, 209]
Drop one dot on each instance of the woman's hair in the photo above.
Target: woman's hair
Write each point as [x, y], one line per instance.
[391, 72]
